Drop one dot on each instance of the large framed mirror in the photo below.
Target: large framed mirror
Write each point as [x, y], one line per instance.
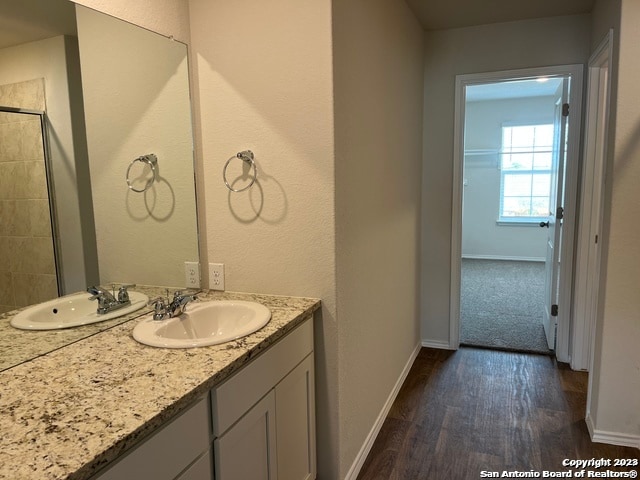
[85, 101]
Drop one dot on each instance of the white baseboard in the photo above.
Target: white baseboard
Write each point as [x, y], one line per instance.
[353, 472]
[612, 438]
[437, 344]
[501, 257]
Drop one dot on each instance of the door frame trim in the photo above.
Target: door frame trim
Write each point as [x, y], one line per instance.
[570, 204]
[588, 252]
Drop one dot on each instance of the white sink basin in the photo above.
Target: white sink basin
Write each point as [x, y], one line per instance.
[71, 311]
[203, 324]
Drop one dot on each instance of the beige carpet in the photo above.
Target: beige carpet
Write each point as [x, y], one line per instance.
[501, 305]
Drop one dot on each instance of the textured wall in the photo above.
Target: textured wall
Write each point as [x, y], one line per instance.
[262, 75]
[615, 385]
[168, 17]
[378, 81]
[145, 237]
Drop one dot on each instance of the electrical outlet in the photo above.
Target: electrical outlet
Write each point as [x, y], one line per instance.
[192, 274]
[216, 276]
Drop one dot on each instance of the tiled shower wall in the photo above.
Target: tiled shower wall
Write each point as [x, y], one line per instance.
[27, 267]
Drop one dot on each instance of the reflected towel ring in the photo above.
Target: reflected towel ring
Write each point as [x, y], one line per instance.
[247, 157]
[150, 160]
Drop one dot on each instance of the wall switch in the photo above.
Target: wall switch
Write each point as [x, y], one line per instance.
[216, 276]
[192, 274]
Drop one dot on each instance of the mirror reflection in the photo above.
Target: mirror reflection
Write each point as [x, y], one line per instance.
[82, 97]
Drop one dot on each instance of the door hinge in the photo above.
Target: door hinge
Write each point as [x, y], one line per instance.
[559, 213]
[554, 310]
[565, 109]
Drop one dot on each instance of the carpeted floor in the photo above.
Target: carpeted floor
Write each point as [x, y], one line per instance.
[501, 305]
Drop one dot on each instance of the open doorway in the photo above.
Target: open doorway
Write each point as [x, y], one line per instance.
[514, 178]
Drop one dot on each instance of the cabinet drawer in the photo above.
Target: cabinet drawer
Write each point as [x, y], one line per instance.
[167, 452]
[239, 393]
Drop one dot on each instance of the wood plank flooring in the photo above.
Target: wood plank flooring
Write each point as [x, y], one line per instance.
[462, 412]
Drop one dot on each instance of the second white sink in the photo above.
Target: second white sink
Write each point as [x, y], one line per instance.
[203, 324]
[71, 311]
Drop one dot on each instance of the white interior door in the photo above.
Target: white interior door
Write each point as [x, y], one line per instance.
[554, 221]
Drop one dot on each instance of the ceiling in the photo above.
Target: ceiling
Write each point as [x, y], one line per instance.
[442, 14]
[30, 20]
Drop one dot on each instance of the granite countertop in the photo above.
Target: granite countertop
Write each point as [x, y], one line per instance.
[68, 413]
[17, 346]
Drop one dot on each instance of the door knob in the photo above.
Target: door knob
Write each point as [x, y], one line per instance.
[544, 224]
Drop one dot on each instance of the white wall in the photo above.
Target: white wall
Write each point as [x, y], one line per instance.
[53, 59]
[263, 81]
[378, 77]
[532, 43]
[615, 384]
[481, 235]
[142, 238]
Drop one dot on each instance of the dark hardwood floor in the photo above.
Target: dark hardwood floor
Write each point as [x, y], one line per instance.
[462, 412]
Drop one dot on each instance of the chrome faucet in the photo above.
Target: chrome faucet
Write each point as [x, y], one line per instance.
[107, 301]
[163, 308]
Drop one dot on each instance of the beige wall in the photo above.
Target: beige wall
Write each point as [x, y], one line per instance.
[378, 82]
[551, 41]
[615, 386]
[168, 17]
[265, 84]
[142, 238]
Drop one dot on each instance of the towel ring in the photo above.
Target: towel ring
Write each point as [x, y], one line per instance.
[247, 157]
[150, 160]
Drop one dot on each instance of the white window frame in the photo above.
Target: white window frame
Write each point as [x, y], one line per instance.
[520, 220]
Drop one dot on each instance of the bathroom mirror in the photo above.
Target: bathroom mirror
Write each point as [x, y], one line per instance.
[109, 93]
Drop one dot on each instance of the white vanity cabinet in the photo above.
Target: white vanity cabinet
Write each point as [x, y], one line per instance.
[258, 424]
[264, 415]
[179, 450]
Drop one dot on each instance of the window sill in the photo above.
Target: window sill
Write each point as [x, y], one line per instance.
[534, 222]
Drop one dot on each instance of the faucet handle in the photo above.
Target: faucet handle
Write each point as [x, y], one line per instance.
[123, 294]
[159, 308]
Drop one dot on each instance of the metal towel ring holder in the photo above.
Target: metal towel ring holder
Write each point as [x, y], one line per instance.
[150, 160]
[247, 157]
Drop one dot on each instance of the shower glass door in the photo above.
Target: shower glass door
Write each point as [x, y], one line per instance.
[29, 270]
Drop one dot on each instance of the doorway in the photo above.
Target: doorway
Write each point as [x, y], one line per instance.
[513, 147]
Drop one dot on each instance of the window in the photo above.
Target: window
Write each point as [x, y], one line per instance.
[525, 172]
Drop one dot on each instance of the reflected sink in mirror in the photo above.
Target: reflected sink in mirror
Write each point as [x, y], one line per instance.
[72, 311]
[204, 324]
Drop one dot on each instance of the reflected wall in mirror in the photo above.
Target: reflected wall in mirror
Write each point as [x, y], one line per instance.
[111, 92]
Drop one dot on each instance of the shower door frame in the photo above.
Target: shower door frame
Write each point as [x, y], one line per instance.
[50, 189]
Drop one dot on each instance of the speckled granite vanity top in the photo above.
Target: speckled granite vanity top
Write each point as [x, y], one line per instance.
[69, 412]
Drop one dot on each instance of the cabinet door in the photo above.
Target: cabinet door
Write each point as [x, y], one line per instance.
[295, 423]
[164, 454]
[248, 449]
[201, 469]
